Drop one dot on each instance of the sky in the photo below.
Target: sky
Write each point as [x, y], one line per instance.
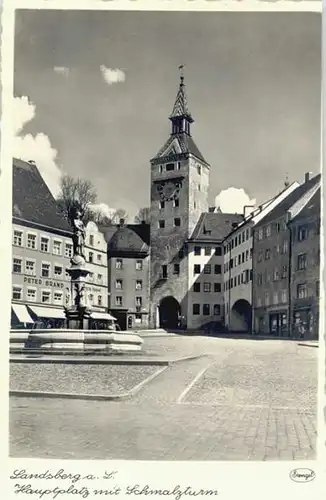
[93, 92]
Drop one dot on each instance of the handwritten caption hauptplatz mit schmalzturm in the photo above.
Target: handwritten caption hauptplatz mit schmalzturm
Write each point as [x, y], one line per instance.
[49, 484]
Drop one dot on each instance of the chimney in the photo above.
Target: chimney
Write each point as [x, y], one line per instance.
[31, 162]
[307, 176]
[247, 209]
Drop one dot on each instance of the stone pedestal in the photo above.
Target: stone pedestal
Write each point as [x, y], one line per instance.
[78, 318]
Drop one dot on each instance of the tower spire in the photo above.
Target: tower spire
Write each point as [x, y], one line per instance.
[181, 117]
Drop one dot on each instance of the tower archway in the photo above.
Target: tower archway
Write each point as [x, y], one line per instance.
[169, 313]
[241, 313]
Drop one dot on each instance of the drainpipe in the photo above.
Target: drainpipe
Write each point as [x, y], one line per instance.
[252, 283]
[229, 311]
[289, 283]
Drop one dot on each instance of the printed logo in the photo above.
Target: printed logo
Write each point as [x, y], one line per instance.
[302, 475]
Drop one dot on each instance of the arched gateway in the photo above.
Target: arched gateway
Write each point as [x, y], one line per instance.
[240, 320]
[169, 313]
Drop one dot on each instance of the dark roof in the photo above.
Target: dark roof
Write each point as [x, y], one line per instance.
[32, 200]
[312, 207]
[180, 107]
[287, 203]
[186, 143]
[125, 239]
[215, 226]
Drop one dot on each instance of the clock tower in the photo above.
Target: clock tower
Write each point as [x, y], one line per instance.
[179, 195]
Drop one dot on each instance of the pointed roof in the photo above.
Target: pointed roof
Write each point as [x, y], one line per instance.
[180, 107]
[215, 226]
[185, 144]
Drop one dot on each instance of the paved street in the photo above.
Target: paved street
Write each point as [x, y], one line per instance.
[246, 399]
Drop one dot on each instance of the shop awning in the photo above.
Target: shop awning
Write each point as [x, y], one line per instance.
[22, 313]
[47, 312]
[103, 316]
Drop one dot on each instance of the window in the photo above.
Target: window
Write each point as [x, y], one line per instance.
[196, 309]
[118, 301]
[161, 224]
[302, 292]
[68, 250]
[250, 274]
[161, 169]
[46, 296]
[138, 319]
[91, 276]
[17, 292]
[91, 298]
[207, 287]
[206, 309]
[177, 222]
[243, 236]
[218, 251]
[99, 257]
[236, 241]
[275, 298]
[31, 294]
[217, 269]
[284, 272]
[118, 284]
[268, 230]
[208, 250]
[91, 240]
[90, 257]
[169, 167]
[251, 253]
[284, 296]
[139, 265]
[164, 271]
[139, 301]
[267, 254]
[57, 271]
[17, 265]
[57, 297]
[18, 238]
[176, 203]
[302, 233]
[196, 287]
[285, 246]
[198, 169]
[247, 234]
[217, 287]
[176, 269]
[197, 250]
[44, 244]
[161, 205]
[31, 241]
[100, 278]
[45, 271]
[119, 264]
[278, 227]
[57, 247]
[198, 187]
[139, 284]
[260, 234]
[181, 254]
[99, 300]
[196, 268]
[217, 309]
[207, 269]
[276, 275]
[266, 299]
[302, 261]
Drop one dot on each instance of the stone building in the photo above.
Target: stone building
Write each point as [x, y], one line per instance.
[305, 266]
[272, 262]
[238, 249]
[128, 274]
[41, 251]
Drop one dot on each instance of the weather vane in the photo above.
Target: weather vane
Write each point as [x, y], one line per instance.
[181, 67]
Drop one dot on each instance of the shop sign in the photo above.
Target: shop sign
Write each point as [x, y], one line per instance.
[39, 281]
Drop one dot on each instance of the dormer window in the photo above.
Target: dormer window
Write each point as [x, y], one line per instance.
[169, 167]
[160, 168]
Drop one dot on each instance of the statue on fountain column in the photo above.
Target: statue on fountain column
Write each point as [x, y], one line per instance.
[79, 232]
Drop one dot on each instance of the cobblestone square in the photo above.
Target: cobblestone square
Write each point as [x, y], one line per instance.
[243, 400]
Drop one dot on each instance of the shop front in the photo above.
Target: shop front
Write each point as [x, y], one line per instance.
[47, 317]
[278, 323]
[102, 321]
[20, 317]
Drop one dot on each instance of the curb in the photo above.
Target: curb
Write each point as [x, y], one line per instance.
[89, 397]
[85, 361]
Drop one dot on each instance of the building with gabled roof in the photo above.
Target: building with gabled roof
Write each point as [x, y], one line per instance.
[275, 248]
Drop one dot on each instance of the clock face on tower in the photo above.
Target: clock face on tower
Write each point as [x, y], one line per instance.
[169, 190]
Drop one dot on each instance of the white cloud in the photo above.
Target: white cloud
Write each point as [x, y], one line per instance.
[103, 209]
[232, 200]
[62, 70]
[35, 147]
[112, 75]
